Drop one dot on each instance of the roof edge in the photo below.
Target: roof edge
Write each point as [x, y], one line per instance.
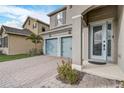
[34, 19]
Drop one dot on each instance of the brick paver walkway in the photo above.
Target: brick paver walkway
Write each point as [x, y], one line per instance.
[27, 72]
[40, 72]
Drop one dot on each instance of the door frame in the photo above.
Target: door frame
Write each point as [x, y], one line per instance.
[105, 21]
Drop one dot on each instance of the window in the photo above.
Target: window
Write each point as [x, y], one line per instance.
[29, 22]
[34, 25]
[43, 29]
[0, 42]
[60, 18]
[5, 41]
[109, 39]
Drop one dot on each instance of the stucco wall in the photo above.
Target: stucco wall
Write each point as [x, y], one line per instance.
[38, 29]
[19, 45]
[121, 37]
[47, 28]
[76, 41]
[30, 27]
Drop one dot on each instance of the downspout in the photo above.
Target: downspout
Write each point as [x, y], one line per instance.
[81, 43]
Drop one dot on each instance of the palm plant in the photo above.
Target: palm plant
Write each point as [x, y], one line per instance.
[36, 39]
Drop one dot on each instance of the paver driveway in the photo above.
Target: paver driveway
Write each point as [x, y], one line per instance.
[27, 72]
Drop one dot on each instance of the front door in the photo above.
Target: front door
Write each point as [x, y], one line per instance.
[100, 45]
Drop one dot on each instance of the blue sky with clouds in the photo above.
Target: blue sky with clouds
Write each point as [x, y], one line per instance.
[14, 16]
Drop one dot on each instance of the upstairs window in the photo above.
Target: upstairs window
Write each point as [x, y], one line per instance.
[43, 29]
[60, 18]
[34, 25]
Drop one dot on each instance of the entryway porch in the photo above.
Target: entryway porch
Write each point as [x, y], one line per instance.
[109, 70]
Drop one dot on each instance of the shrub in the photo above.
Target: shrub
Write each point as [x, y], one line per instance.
[34, 52]
[66, 73]
[122, 84]
[72, 77]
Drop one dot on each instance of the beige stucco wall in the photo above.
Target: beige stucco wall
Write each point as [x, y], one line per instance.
[121, 37]
[76, 41]
[38, 29]
[47, 28]
[30, 27]
[85, 43]
[19, 45]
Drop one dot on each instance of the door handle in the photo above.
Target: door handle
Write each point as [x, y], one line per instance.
[103, 41]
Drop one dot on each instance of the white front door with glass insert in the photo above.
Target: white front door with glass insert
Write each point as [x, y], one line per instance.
[100, 41]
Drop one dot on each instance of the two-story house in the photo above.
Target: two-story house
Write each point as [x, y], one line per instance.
[87, 33]
[13, 40]
[58, 41]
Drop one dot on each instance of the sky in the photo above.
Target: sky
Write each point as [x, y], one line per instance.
[14, 16]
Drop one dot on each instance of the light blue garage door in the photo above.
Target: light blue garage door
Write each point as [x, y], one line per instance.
[66, 46]
[51, 47]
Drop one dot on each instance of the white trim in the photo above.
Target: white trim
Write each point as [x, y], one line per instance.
[57, 36]
[77, 67]
[76, 16]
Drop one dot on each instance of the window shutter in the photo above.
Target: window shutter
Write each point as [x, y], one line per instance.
[56, 20]
[64, 17]
[2, 41]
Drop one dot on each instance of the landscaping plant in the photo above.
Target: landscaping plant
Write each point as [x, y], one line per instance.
[36, 39]
[67, 74]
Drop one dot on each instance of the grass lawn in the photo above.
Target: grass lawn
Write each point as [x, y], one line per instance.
[12, 57]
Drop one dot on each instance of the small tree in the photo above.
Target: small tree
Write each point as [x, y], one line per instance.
[36, 39]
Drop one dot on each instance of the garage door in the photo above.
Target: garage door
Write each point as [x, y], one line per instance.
[51, 47]
[66, 48]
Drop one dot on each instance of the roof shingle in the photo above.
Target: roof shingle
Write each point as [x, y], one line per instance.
[17, 31]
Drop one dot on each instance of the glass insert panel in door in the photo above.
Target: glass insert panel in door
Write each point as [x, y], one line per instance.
[97, 40]
[109, 39]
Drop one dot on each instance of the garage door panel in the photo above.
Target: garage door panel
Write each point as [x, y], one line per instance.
[66, 50]
[51, 47]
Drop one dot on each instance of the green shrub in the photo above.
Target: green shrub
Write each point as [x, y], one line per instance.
[66, 73]
[72, 76]
[34, 52]
[122, 84]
